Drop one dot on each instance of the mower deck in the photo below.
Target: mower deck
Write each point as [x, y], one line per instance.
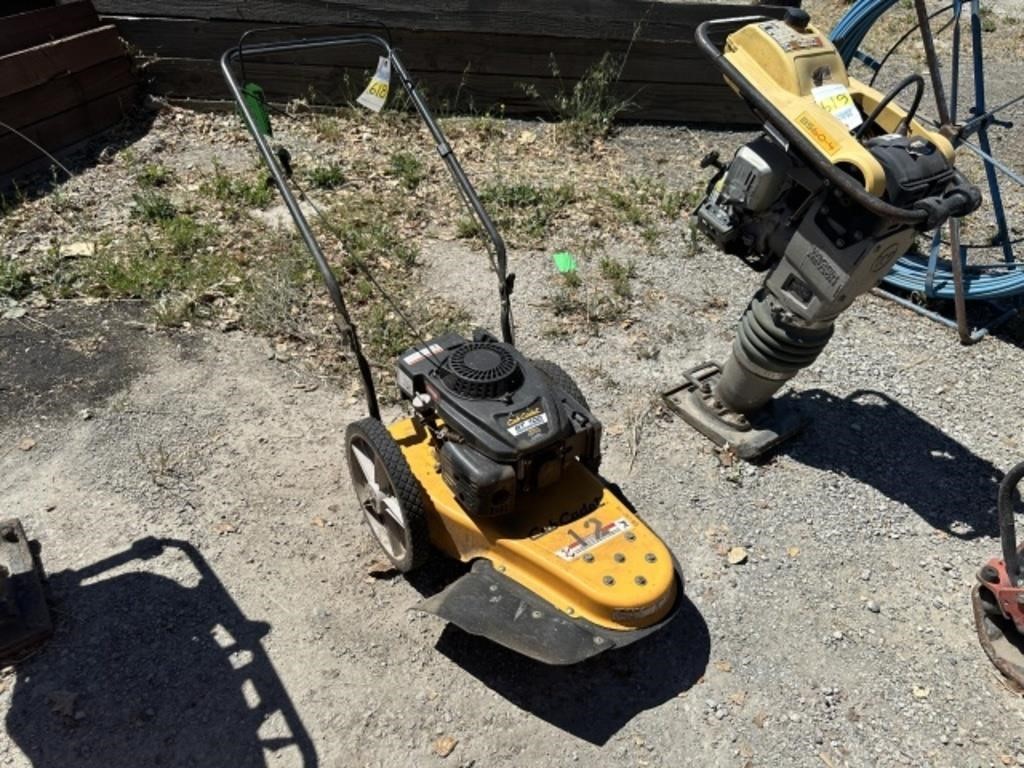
[574, 552]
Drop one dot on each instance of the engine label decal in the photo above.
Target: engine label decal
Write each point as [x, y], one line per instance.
[602, 532]
[819, 135]
[525, 421]
[789, 39]
[824, 266]
[420, 354]
[835, 99]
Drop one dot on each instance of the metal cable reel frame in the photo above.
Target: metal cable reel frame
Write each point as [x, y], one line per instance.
[929, 275]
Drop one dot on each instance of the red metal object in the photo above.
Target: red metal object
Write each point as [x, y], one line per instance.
[998, 598]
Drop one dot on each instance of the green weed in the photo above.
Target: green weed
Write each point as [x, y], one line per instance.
[148, 269]
[250, 191]
[153, 175]
[408, 169]
[327, 176]
[618, 273]
[153, 207]
[588, 109]
[185, 235]
[15, 281]
[523, 210]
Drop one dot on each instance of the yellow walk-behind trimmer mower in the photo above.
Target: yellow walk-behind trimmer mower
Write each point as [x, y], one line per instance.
[824, 201]
[497, 464]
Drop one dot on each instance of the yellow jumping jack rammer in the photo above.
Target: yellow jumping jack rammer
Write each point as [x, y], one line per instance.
[497, 464]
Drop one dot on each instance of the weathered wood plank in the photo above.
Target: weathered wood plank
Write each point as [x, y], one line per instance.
[707, 102]
[66, 92]
[33, 66]
[21, 6]
[64, 129]
[609, 19]
[510, 55]
[26, 30]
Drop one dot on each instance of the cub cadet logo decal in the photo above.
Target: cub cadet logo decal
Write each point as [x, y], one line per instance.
[566, 517]
[524, 421]
[601, 534]
[821, 137]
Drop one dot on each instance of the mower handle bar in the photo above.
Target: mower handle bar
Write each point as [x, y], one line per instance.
[838, 178]
[444, 149]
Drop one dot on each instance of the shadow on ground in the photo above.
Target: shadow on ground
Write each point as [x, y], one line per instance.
[592, 700]
[145, 671]
[41, 177]
[874, 439]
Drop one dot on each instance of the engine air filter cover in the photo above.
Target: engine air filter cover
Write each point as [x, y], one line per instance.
[482, 370]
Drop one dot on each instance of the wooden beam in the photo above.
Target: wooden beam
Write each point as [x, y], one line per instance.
[26, 30]
[605, 19]
[705, 102]
[33, 66]
[64, 129]
[428, 52]
[66, 92]
[22, 6]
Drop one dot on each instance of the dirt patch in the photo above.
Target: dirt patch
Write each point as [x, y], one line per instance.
[69, 359]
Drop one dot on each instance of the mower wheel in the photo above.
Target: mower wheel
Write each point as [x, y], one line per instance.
[556, 375]
[389, 494]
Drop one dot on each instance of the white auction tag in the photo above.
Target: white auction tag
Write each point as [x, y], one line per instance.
[376, 93]
[835, 99]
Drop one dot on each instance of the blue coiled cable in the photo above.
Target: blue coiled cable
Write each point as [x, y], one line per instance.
[911, 272]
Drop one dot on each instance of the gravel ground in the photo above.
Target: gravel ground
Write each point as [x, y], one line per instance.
[219, 602]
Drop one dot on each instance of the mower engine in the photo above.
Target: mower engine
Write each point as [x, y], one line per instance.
[503, 425]
[825, 201]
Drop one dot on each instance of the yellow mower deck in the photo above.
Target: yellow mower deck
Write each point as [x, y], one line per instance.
[575, 545]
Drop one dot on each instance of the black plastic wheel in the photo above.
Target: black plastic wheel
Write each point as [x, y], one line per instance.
[389, 494]
[554, 373]
[557, 376]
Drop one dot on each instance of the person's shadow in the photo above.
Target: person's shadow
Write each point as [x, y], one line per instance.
[873, 438]
[143, 671]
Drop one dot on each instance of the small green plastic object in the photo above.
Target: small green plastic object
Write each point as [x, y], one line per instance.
[256, 103]
[565, 262]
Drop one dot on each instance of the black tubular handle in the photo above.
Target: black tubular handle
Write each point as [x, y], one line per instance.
[444, 149]
[1007, 530]
[465, 188]
[838, 178]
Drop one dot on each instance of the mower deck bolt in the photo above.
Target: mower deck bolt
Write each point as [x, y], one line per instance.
[536, 614]
[650, 557]
[494, 587]
[630, 536]
[640, 580]
[990, 574]
[619, 557]
[588, 558]
[609, 580]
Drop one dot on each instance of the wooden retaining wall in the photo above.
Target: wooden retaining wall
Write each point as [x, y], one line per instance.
[64, 76]
[471, 55]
